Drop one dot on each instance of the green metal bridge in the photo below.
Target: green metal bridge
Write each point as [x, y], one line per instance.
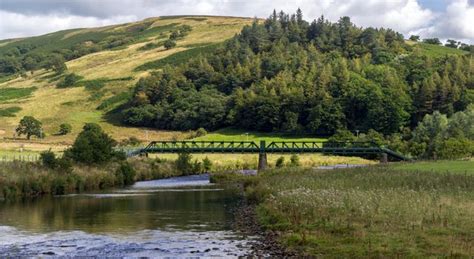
[363, 149]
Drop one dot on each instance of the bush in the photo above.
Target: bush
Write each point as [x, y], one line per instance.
[48, 159]
[169, 44]
[454, 148]
[125, 174]
[201, 132]
[93, 146]
[197, 167]
[65, 129]
[69, 80]
[280, 162]
[295, 160]
[183, 163]
[206, 164]
[64, 165]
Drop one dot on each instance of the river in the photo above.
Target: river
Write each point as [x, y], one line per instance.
[178, 217]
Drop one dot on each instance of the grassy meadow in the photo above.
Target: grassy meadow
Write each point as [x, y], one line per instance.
[377, 211]
[230, 134]
[435, 51]
[444, 166]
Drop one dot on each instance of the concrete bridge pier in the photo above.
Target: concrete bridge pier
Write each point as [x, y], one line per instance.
[262, 161]
[262, 157]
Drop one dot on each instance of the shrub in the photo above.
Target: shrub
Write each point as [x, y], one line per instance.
[206, 164]
[48, 159]
[197, 167]
[169, 44]
[453, 148]
[125, 174]
[93, 146]
[69, 80]
[65, 129]
[280, 162]
[295, 160]
[201, 132]
[183, 163]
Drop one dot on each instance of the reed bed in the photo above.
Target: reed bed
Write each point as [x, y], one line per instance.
[27, 179]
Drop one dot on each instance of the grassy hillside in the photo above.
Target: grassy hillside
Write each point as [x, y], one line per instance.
[229, 134]
[435, 50]
[36, 93]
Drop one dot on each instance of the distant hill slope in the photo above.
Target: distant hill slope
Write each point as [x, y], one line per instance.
[108, 75]
[435, 51]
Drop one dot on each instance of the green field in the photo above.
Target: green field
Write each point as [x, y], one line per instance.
[229, 134]
[458, 167]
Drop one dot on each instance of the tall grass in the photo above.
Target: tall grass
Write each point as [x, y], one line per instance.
[368, 212]
[25, 179]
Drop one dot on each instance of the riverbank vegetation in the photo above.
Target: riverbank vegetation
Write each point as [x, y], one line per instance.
[377, 211]
[91, 164]
[28, 179]
[230, 162]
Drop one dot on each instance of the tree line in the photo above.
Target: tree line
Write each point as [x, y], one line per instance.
[288, 75]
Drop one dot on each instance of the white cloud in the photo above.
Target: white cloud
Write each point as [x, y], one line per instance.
[15, 25]
[456, 23]
[31, 17]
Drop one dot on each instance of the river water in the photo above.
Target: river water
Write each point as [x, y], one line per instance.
[178, 217]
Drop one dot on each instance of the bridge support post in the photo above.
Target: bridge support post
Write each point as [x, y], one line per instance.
[262, 157]
[383, 158]
[262, 161]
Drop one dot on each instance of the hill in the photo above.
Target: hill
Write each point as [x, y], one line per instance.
[108, 58]
[166, 76]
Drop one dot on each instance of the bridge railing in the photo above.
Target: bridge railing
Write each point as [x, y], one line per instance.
[323, 147]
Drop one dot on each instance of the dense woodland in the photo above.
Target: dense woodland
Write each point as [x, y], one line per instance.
[288, 75]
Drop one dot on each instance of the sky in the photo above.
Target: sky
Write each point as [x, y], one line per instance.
[453, 19]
